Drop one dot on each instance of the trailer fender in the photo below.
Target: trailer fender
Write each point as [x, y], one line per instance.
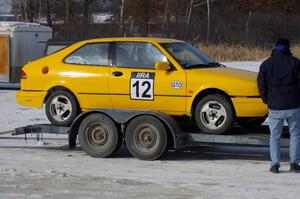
[123, 117]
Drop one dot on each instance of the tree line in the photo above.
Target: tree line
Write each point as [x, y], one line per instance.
[257, 23]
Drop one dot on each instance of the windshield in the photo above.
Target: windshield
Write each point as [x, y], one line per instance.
[188, 57]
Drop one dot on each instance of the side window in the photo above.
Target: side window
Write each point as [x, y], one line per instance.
[90, 54]
[138, 55]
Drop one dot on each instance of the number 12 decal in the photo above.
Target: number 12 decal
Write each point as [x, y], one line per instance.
[141, 86]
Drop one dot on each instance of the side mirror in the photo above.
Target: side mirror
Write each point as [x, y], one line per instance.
[162, 66]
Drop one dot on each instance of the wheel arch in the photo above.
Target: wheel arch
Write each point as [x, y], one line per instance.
[206, 92]
[58, 88]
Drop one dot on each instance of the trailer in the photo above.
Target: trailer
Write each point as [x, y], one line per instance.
[146, 134]
[20, 42]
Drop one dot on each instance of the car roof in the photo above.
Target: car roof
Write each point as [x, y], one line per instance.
[140, 39]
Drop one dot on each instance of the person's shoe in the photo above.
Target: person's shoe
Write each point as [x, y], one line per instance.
[295, 168]
[274, 169]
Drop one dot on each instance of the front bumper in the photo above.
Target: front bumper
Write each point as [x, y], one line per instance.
[31, 98]
[249, 107]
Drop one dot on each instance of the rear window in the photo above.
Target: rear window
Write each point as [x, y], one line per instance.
[90, 54]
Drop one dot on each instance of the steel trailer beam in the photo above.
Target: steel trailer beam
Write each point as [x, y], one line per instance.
[182, 139]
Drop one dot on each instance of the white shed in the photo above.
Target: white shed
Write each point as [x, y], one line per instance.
[20, 42]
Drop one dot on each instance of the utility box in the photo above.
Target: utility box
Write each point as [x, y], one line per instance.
[20, 43]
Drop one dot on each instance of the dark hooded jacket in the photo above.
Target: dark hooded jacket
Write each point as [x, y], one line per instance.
[279, 80]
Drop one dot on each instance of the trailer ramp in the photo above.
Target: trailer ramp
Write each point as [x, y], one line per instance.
[258, 136]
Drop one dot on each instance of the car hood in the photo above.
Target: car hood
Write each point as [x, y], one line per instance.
[235, 82]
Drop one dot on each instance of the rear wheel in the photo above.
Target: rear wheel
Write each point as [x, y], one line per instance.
[146, 138]
[250, 121]
[214, 114]
[61, 108]
[99, 136]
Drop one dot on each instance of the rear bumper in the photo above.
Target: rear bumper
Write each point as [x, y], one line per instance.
[31, 98]
[249, 107]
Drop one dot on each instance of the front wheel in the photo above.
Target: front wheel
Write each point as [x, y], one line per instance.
[214, 114]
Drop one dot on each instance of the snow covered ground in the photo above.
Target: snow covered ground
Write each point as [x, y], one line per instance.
[245, 65]
[14, 115]
[31, 170]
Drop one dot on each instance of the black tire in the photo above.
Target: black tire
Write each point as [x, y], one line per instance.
[98, 136]
[146, 138]
[250, 122]
[65, 100]
[214, 114]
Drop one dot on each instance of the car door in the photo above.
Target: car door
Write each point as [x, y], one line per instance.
[135, 84]
[86, 70]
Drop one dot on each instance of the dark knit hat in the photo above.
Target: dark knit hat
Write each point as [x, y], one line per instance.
[283, 41]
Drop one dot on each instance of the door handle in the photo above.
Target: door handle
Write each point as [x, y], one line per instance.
[117, 73]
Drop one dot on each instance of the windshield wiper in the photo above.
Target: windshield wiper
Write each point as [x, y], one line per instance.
[216, 64]
[211, 64]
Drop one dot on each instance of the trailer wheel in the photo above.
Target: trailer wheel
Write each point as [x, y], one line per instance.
[250, 121]
[61, 108]
[146, 138]
[99, 136]
[214, 114]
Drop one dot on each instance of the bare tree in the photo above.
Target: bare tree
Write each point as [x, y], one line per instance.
[19, 9]
[188, 16]
[122, 32]
[118, 10]
[247, 25]
[143, 11]
[48, 13]
[87, 16]
[68, 16]
[208, 20]
[24, 9]
[192, 20]
[166, 16]
[29, 11]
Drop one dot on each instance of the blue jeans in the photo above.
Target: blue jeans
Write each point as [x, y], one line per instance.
[276, 122]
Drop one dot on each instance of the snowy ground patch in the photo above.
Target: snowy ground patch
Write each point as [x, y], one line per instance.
[245, 65]
[14, 115]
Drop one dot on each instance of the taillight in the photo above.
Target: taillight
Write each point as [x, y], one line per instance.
[23, 75]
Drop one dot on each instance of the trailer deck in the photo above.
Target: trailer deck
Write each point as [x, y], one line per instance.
[148, 134]
[237, 136]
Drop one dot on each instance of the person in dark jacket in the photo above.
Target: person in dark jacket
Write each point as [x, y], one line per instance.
[279, 86]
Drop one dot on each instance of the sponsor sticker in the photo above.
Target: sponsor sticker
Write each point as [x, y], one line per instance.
[176, 84]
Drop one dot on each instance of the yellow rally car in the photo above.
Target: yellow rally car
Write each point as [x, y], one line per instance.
[144, 74]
